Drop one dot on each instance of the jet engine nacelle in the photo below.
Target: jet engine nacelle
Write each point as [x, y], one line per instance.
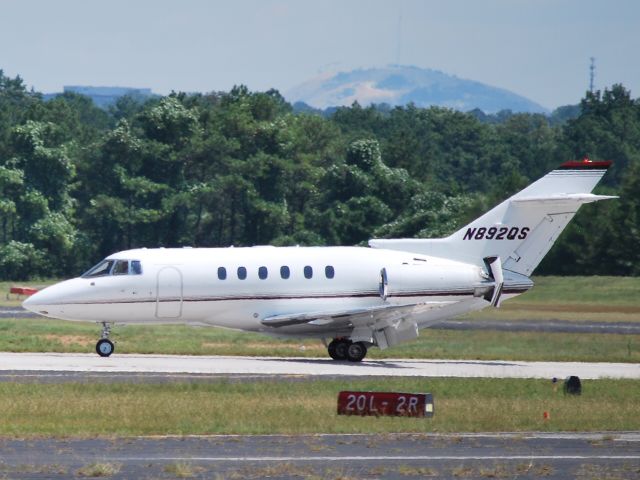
[450, 277]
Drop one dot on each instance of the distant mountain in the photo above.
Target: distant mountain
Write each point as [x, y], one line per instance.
[104, 97]
[400, 85]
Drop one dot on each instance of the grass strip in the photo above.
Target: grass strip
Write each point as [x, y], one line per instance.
[462, 405]
[45, 335]
[594, 299]
[580, 291]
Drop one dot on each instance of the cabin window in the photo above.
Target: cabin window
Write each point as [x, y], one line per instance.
[100, 270]
[121, 267]
[329, 271]
[308, 272]
[263, 273]
[136, 267]
[242, 273]
[285, 272]
[222, 273]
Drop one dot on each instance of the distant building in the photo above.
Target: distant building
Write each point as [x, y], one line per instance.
[104, 97]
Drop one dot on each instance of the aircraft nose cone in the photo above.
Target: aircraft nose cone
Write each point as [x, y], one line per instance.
[50, 301]
[30, 303]
[33, 303]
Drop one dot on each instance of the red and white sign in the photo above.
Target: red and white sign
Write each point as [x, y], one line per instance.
[23, 290]
[386, 403]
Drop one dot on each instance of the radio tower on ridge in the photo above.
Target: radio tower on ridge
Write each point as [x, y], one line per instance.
[399, 38]
[592, 73]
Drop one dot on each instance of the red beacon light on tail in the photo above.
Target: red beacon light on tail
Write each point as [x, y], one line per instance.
[586, 164]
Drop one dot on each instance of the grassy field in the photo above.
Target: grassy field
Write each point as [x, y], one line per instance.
[461, 405]
[598, 299]
[36, 335]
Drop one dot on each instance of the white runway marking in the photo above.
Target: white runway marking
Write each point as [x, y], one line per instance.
[377, 457]
[219, 365]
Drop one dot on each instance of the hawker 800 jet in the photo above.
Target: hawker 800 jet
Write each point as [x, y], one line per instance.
[351, 298]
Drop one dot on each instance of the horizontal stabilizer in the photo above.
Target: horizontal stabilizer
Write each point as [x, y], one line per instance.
[567, 198]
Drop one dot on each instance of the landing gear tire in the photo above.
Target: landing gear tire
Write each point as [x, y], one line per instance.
[104, 347]
[356, 352]
[338, 348]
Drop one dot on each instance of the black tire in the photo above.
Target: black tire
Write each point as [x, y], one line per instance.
[104, 347]
[338, 349]
[356, 352]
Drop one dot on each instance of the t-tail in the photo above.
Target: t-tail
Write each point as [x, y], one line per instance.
[521, 230]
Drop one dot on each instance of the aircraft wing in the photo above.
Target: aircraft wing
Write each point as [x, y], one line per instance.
[341, 318]
[345, 322]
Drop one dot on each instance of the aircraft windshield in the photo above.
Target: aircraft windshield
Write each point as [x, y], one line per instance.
[114, 267]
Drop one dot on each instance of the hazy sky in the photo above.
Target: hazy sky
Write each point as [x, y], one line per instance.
[536, 48]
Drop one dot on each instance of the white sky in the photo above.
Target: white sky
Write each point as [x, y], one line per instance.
[536, 48]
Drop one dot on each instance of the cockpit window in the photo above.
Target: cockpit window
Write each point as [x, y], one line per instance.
[100, 270]
[115, 267]
[121, 268]
[136, 267]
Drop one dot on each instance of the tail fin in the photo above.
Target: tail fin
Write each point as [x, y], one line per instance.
[522, 229]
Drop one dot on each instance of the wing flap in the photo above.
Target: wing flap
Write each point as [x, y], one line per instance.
[340, 318]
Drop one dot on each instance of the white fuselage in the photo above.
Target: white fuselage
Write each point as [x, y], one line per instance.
[209, 287]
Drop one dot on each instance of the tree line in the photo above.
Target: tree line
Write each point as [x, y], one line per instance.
[242, 168]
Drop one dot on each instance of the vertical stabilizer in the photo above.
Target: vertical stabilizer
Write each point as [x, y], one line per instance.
[522, 229]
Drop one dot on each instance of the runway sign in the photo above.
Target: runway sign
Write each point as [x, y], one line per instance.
[392, 404]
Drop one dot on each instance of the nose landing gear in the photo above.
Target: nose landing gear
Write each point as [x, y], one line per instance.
[105, 347]
[345, 349]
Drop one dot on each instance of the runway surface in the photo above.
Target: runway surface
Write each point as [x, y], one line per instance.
[525, 455]
[56, 364]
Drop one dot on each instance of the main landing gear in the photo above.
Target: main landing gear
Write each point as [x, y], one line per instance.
[105, 347]
[345, 349]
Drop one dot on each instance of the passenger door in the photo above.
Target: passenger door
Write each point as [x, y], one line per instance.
[169, 293]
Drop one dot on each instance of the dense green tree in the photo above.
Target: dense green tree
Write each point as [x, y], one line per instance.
[241, 168]
[607, 129]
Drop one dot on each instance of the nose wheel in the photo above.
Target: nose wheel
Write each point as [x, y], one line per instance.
[345, 349]
[105, 347]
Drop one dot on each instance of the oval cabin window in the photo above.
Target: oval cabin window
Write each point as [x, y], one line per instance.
[285, 272]
[308, 272]
[263, 273]
[329, 271]
[222, 273]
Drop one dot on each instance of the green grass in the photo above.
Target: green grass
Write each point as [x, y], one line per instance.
[309, 407]
[594, 290]
[462, 405]
[99, 469]
[44, 335]
[574, 299]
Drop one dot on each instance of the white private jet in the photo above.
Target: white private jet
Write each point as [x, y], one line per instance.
[351, 298]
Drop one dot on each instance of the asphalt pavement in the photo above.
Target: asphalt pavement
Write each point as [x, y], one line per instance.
[57, 365]
[391, 456]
